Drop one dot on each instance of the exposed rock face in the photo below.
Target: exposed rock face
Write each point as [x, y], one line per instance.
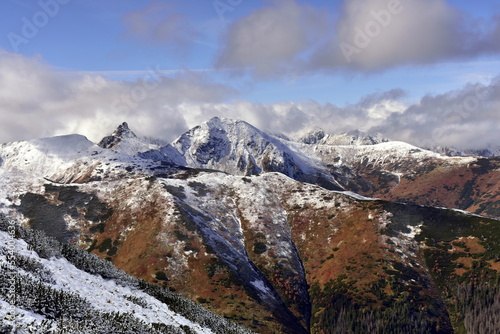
[125, 141]
[122, 132]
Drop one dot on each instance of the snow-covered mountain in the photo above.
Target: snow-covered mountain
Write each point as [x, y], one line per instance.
[238, 148]
[44, 155]
[332, 161]
[359, 137]
[261, 246]
[490, 151]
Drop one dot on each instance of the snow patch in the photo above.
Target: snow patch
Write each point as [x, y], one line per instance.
[259, 284]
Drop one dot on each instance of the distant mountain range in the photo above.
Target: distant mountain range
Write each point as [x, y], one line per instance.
[368, 165]
[491, 151]
[342, 233]
[358, 137]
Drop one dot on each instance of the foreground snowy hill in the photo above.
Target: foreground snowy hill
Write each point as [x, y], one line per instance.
[47, 287]
[271, 252]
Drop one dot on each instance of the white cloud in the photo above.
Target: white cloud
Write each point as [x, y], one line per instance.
[36, 101]
[378, 34]
[385, 108]
[466, 118]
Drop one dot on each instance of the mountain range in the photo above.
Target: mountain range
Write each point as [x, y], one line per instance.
[342, 233]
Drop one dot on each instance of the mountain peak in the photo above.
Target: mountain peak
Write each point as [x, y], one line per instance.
[237, 147]
[223, 122]
[124, 125]
[125, 141]
[115, 138]
[313, 137]
[123, 131]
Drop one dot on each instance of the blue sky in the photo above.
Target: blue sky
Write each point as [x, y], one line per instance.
[251, 59]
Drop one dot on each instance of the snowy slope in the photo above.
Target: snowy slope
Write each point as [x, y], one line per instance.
[379, 154]
[359, 137]
[48, 157]
[44, 155]
[63, 159]
[103, 295]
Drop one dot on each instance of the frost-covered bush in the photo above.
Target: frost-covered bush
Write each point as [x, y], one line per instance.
[92, 264]
[29, 265]
[39, 242]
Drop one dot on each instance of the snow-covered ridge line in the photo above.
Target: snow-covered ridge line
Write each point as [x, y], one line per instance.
[125, 141]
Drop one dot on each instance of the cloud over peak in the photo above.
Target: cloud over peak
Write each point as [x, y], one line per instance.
[37, 100]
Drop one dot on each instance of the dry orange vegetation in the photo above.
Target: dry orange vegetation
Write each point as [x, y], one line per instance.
[142, 253]
[467, 262]
[334, 235]
[495, 265]
[355, 246]
[340, 241]
[472, 187]
[470, 245]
